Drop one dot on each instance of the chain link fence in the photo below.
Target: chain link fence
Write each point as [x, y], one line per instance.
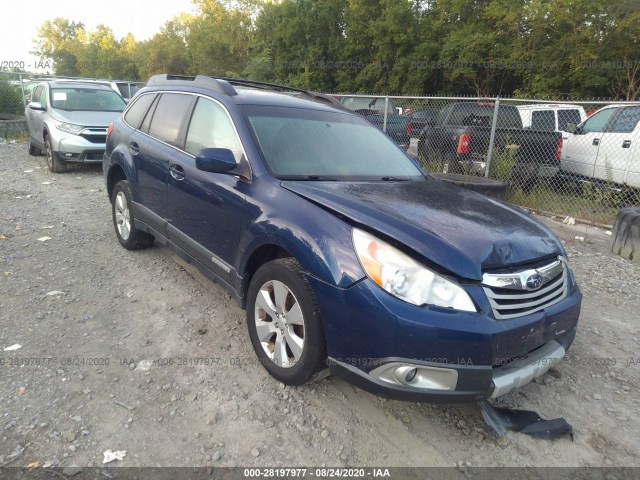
[569, 159]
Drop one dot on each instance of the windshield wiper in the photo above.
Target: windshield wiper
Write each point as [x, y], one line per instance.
[319, 178]
[394, 179]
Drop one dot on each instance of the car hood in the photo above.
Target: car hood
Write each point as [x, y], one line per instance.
[461, 231]
[86, 118]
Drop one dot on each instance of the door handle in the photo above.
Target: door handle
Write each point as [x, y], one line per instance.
[133, 148]
[596, 141]
[626, 144]
[177, 172]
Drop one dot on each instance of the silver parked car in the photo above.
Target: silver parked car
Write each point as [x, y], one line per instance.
[68, 121]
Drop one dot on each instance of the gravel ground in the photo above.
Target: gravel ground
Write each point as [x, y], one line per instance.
[88, 314]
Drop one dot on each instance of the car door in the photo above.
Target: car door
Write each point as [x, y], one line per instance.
[36, 118]
[164, 123]
[204, 208]
[617, 159]
[580, 149]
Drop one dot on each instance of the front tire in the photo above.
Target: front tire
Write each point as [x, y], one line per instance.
[128, 235]
[54, 164]
[284, 323]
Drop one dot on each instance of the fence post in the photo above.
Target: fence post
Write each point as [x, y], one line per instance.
[492, 138]
[386, 113]
[24, 100]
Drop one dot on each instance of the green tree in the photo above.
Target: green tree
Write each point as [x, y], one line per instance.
[57, 40]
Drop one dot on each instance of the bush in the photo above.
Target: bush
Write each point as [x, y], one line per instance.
[10, 99]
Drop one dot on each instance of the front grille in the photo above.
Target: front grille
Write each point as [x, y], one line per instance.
[95, 138]
[516, 300]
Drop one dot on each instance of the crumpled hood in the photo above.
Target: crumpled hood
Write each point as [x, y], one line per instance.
[460, 230]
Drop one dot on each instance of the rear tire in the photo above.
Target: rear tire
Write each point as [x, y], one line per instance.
[123, 221]
[33, 150]
[284, 323]
[54, 164]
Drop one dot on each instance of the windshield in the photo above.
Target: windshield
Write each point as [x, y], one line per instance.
[86, 99]
[302, 143]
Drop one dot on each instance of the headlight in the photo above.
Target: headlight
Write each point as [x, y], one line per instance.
[69, 127]
[405, 278]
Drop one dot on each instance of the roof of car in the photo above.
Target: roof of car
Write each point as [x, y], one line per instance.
[78, 84]
[253, 96]
[247, 92]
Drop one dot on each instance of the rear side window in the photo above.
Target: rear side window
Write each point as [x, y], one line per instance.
[568, 117]
[626, 121]
[169, 116]
[543, 120]
[136, 112]
[211, 127]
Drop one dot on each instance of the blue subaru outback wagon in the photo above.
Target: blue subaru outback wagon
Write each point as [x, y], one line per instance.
[348, 258]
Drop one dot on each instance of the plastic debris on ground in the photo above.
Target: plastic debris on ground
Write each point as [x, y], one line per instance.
[143, 365]
[500, 420]
[44, 239]
[13, 347]
[569, 221]
[54, 292]
[110, 455]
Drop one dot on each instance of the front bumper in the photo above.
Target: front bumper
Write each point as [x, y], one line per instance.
[374, 340]
[77, 149]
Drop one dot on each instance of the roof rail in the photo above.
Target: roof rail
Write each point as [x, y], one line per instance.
[265, 85]
[315, 96]
[216, 84]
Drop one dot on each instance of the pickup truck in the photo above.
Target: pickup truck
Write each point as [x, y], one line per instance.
[460, 135]
[372, 108]
[605, 148]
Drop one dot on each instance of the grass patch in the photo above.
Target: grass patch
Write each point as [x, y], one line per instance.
[562, 203]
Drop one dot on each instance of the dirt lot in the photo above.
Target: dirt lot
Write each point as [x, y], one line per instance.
[207, 402]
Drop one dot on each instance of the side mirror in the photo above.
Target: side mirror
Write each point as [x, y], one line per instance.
[572, 128]
[36, 106]
[215, 160]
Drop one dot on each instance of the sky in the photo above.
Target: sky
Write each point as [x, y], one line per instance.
[19, 22]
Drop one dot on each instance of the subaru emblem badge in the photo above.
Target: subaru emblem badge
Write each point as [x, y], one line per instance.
[534, 281]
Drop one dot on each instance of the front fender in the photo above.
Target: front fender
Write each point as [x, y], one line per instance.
[320, 241]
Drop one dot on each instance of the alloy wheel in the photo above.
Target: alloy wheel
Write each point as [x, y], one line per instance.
[279, 324]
